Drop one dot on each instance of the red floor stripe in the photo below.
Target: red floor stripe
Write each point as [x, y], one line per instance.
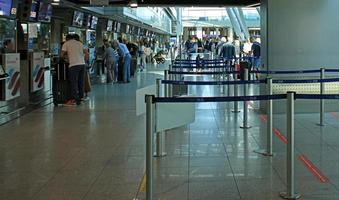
[263, 118]
[308, 164]
[315, 171]
[280, 135]
[335, 115]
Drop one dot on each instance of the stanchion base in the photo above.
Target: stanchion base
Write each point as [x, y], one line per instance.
[159, 156]
[321, 124]
[263, 152]
[245, 127]
[285, 196]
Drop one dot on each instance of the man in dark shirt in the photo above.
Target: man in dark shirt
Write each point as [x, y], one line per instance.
[256, 54]
[227, 51]
[256, 60]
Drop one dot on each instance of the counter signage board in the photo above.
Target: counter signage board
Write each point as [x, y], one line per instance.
[99, 2]
[12, 68]
[37, 71]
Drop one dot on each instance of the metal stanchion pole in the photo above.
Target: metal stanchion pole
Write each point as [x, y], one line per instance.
[159, 138]
[166, 77]
[235, 103]
[170, 86]
[245, 116]
[149, 146]
[269, 145]
[322, 103]
[290, 193]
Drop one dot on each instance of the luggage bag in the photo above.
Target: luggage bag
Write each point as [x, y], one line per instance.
[61, 87]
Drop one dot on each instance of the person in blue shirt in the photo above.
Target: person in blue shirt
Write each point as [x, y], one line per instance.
[126, 59]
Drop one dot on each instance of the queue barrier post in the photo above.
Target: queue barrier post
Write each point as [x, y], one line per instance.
[235, 93]
[170, 77]
[245, 111]
[160, 136]
[269, 111]
[167, 86]
[149, 146]
[322, 101]
[290, 193]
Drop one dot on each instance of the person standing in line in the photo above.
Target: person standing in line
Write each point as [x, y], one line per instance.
[76, 53]
[133, 50]
[109, 62]
[255, 50]
[116, 63]
[247, 48]
[126, 59]
[228, 51]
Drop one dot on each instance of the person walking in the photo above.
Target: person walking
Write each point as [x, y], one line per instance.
[142, 55]
[76, 53]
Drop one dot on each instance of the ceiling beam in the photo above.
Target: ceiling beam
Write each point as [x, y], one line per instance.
[167, 3]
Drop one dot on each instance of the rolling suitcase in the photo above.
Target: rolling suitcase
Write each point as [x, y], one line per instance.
[61, 87]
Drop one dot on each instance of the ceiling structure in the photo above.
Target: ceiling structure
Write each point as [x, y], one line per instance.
[160, 3]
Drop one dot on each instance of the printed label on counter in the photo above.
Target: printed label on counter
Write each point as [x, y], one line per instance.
[12, 68]
[37, 71]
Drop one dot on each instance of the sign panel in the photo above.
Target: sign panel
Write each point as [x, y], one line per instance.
[37, 71]
[140, 98]
[99, 2]
[12, 68]
[173, 115]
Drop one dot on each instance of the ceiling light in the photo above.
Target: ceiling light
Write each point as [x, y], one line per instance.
[133, 3]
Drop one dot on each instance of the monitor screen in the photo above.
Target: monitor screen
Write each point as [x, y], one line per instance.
[78, 18]
[94, 22]
[45, 12]
[34, 10]
[118, 27]
[5, 7]
[109, 25]
[87, 20]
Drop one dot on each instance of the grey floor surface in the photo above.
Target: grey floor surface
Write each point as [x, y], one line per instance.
[97, 151]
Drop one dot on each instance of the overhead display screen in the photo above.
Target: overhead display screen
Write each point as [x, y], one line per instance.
[45, 12]
[87, 20]
[34, 10]
[109, 25]
[78, 18]
[5, 7]
[94, 22]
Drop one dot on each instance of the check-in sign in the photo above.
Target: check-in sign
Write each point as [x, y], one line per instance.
[99, 2]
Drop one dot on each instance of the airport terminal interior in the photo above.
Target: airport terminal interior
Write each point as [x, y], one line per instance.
[169, 100]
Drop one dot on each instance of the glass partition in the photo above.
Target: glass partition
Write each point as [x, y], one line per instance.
[7, 36]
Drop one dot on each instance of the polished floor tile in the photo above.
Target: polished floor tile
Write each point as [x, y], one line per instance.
[96, 151]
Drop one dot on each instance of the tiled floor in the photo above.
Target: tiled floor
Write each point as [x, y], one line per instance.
[97, 151]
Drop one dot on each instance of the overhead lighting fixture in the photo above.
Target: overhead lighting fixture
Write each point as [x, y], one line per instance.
[133, 3]
[56, 2]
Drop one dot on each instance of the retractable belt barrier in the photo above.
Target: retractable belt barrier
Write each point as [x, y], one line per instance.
[253, 71]
[248, 82]
[212, 82]
[290, 156]
[202, 66]
[203, 73]
[218, 99]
